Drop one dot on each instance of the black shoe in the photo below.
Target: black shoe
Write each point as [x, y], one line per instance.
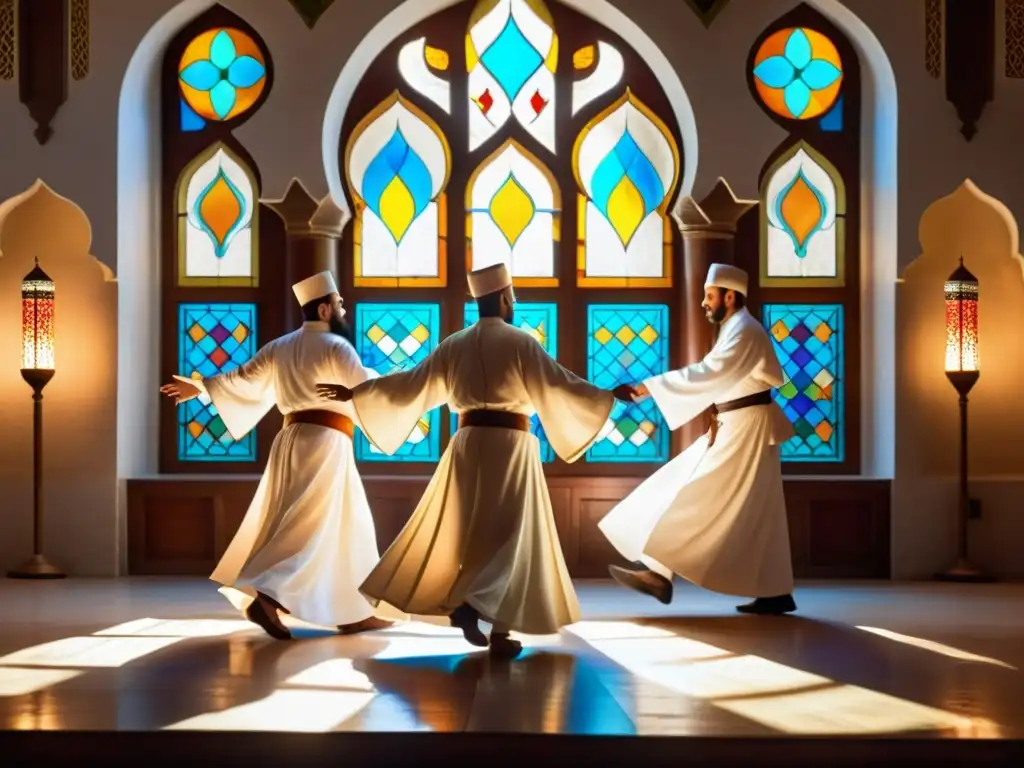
[466, 618]
[644, 581]
[769, 606]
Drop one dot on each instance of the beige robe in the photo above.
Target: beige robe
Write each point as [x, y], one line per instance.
[308, 539]
[716, 516]
[484, 532]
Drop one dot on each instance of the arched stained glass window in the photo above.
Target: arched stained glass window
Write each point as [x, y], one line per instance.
[513, 215]
[538, 138]
[805, 75]
[397, 166]
[221, 263]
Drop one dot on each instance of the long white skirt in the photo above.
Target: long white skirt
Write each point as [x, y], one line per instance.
[308, 539]
[715, 516]
[483, 534]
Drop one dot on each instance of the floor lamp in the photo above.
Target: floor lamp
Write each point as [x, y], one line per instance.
[962, 370]
[37, 300]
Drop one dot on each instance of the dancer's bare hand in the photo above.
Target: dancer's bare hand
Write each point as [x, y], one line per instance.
[181, 389]
[338, 392]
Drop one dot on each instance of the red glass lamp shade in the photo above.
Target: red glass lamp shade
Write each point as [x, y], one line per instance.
[37, 331]
[962, 321]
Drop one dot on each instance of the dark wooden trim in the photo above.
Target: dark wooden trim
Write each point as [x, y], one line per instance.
[970, 59]
[842, 149]
[311, 10]
[43, 61]
[179, 148]
[179, 525]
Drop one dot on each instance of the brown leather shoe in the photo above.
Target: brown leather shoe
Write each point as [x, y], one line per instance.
[366, 625]
[504, 647]
[644, 581]
[466, 618]
[263, 613]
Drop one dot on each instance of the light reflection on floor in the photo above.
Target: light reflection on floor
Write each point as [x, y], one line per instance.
[191, 664]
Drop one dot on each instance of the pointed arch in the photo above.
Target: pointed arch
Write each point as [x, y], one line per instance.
[397, 166]
[514, 215]
[218, 213]
[626, 165]
[802, 221]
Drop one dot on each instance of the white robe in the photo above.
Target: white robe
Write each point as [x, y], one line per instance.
[716, 516]
[484, 532]
[308, 538]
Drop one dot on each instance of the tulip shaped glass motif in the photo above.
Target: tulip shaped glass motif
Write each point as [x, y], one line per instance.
[797, 73]
[221, 75]
[397, 163]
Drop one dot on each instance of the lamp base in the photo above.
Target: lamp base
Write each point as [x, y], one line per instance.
[37, 567]
[965, 573]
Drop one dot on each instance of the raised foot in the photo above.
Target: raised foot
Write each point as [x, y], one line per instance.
[466, 618]
[769, 606]
[371, 624]
[263, 614]
[643, 581]
[504, 647]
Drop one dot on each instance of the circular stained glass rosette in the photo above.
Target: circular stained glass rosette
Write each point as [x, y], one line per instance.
[222, 73]
[798, 73]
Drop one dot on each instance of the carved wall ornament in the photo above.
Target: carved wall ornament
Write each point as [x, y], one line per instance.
[311, 10]
[707, 10]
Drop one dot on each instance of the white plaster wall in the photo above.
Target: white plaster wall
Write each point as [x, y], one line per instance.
[81, 160]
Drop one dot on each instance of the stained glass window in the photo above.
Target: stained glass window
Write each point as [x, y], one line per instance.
[217, 210]
[396, 337]
[626, 165]
[418, 62]
[513, 216]
[809, 343]
[797, 73]
[603, 66]
[221, 74]
[628, 343]
[511, 58]
[541, 322]
[802, 221]
[212, 339]
[397, 162]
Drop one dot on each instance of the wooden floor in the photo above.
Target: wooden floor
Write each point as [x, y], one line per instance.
[917, 663]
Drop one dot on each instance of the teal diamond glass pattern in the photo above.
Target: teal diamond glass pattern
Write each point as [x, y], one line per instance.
[541, 322]
[627, 343]
[511, 59]
[808, 339]
[397, 337]
[212, 339]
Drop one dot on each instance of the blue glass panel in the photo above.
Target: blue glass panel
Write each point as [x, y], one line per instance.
[808, 340]
[511, 59]
[833, 119]
[540, 321]
[190, 121]
[396, 337]
[629, 343]
[212, 339]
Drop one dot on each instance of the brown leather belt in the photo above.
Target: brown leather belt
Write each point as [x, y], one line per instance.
[748, 401]
[328, 419]
[498, 419]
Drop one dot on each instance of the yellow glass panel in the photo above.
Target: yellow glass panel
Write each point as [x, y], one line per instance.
[241, 333]
[625, 209]
[397, 208]
[625, 334]
[421, 333]
[648, 335]
[584, 57]
[436, 58]
[375, 334]
[603, 335]
[512, 209]
[196, 333]
[219, 209]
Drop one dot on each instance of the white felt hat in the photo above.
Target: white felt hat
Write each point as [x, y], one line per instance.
[314, 287]
[489, 280]
[728, 278]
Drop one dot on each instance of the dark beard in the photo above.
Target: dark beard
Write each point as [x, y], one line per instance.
[717, 316]
[340, 327]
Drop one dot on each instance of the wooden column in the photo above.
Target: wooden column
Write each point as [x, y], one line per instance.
[313, 231]
[709, 232]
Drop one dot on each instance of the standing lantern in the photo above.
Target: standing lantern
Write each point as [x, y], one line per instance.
[37, 368]
[962, 370]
